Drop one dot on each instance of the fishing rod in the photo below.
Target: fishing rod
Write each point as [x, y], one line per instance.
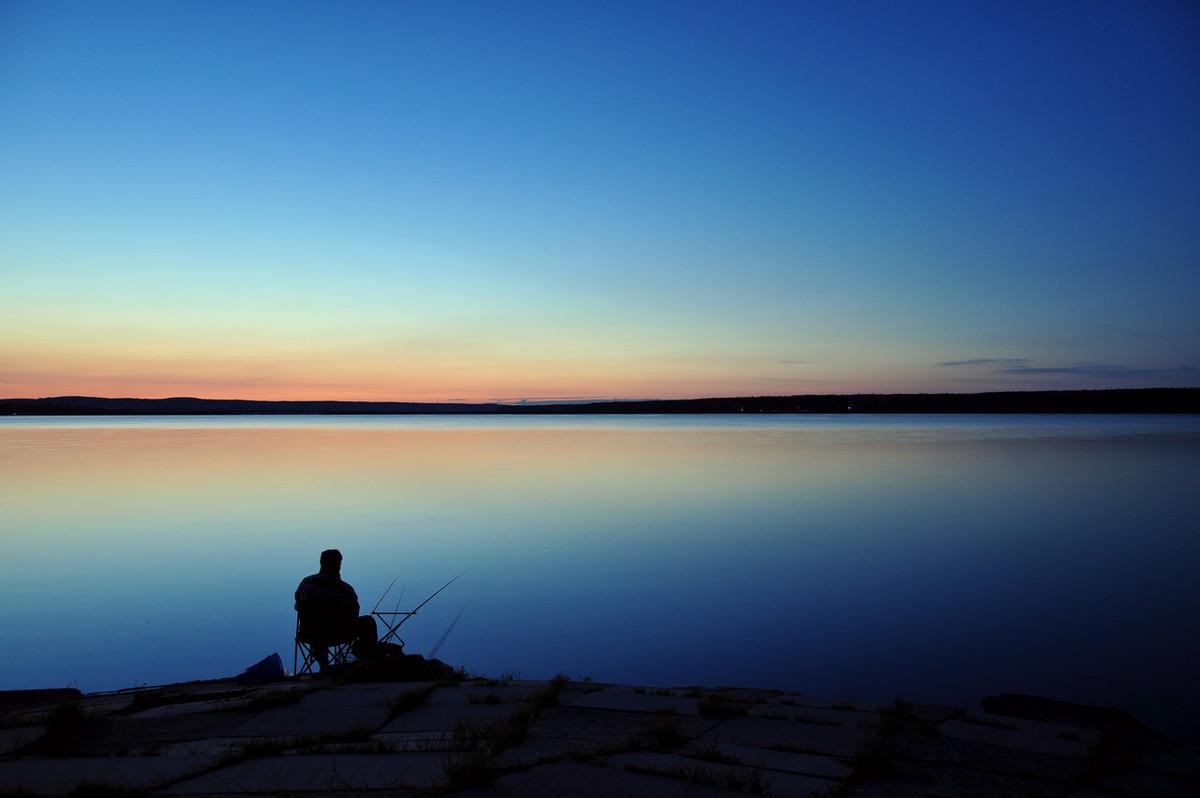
[392, 629]
[381, 598]
[417, 609]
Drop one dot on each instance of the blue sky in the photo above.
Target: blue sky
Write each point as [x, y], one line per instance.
[509, 200]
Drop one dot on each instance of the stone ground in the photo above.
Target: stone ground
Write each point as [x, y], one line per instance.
[475, 737]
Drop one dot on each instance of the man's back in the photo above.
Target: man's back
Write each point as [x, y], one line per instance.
[327, 590]
[327, 606]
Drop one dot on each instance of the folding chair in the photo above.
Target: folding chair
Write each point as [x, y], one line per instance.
[304, 654]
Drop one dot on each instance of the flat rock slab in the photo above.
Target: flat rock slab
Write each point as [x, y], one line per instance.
[318, 737]
[1150, 785]
[219, 747]
[117, 734]
[838, 741]
[569, 731]
[192, 708]
[512, 692]
[948, 782]
[796, 700]
[816, 716]
[212, 688]
[319, 773]
[1035, 728]
[1014, 738]
[939, 751]
[465, 718]
[13, 739]
[574, 690]
[58, 776]
[246, 698]
[628, 701]
[438, 740]
[825, 767]
[106, 703]
[350, 708]
[476, 693]
[583, 780]
[745, 695]
[1181, 762]
[738, 777]
[208, 686]
[451, 708]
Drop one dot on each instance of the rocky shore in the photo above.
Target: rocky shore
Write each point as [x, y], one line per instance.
[512, 737]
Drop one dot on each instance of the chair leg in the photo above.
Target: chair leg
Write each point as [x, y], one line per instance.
[303, 659]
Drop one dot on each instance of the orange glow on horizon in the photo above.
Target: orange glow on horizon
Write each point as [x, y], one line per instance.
[361, 382]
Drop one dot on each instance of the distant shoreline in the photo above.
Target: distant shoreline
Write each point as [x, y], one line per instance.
[1133, 400]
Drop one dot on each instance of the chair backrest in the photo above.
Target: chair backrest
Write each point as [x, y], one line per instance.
[323, 623]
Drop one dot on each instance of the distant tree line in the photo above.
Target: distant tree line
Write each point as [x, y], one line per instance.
[1135, 400]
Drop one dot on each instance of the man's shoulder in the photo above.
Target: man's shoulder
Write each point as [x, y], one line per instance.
[318, 585]
[312, 580]
[326, 586]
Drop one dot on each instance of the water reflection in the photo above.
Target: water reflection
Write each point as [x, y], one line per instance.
[939, 559]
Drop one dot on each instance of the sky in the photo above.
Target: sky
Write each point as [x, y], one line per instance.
[507, 201]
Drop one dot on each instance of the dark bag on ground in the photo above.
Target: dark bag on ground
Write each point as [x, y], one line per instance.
[268, 669]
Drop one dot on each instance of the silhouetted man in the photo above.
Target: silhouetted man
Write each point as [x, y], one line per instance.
[328, 612]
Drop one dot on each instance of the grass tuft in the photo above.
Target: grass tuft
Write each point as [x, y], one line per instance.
[548, 696]
[712, 753]
[503, 680]
[483, 742]
[276, 698]
[666, 734]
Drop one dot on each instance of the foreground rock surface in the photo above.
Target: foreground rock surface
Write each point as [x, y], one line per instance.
[511, 737]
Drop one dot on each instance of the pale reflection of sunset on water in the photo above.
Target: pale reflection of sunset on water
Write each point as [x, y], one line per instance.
[938, 558]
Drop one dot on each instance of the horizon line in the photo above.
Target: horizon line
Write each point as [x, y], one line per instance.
[534, 401]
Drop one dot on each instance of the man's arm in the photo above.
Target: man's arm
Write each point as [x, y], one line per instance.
[350, 599]
[301, 593]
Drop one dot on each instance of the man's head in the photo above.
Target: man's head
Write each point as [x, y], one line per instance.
[331, 561]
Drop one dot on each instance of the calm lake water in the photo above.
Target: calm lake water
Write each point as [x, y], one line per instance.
[938, 558]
